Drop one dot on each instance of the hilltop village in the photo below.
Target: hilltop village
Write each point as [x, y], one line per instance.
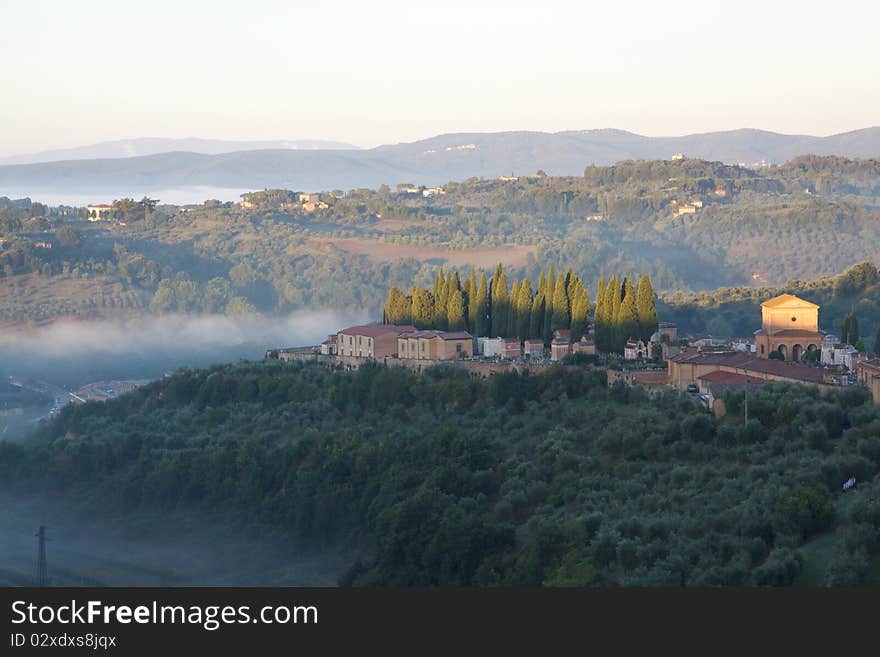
[787, 347]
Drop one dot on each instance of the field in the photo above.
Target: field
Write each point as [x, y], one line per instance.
[509, 255]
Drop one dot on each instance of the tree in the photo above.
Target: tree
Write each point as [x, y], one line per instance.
[68, 236]
[580, 310]
[536, 318]
[500, 301]
[850, 328]
[455, 309]
[524, 303]
[561, 311]
[513, 311]
[646, 308]
[480, 321]
[473, 308]
[422, 308]
[398, 308]
[877, 343]
[627, 315]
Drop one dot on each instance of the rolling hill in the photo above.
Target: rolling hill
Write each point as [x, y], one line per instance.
[431, 161]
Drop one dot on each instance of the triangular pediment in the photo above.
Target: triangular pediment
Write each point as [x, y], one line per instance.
[788, 301]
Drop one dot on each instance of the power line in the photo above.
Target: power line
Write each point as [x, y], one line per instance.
[42, 567]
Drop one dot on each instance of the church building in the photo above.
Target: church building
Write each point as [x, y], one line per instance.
[789, 326]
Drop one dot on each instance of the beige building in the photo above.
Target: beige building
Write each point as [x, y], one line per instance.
[99, 212]
[510, 348]
[533, 348]
[370, 340]
[435, 345]
[868, 372]
[789, 326]
[687, 367]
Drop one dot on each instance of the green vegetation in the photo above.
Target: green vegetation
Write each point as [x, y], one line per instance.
[558, 303]
[849, 306]
[689, 225]
[440, 479]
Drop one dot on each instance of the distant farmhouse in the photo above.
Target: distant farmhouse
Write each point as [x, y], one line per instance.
[99, 212]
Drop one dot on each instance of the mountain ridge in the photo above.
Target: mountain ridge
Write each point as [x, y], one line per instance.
[433, 161]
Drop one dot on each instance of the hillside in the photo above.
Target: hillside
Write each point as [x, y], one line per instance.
[154, 146]
[691, 225]
[431, 161]
[438, 479]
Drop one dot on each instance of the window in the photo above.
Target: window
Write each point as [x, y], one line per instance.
[794, 319]
[762, 349]
[458, 348]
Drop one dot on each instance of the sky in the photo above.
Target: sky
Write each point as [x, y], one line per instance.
[377, 72]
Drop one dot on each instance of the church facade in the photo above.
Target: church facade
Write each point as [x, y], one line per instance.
[789, 327]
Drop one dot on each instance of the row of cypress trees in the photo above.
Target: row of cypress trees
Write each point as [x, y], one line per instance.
[485, 306]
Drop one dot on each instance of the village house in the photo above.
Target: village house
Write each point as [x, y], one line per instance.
[559, 349]
[868, 373]
[328, 347]
[428, 192]
[835, 352]
[533, 348]
[311, 206]
[685, 208]
[635, 350]
[408, 188]
[489, 347]
[714, 384]
[435, 345]
[789, 326]
[99, 212]
[370, 340]
[686, 368]
[678, 156]
[584, 346]
[308, 197]
[510, 348]
[666, 338]
[508, 178]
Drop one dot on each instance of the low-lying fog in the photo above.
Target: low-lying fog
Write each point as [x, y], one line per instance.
[169, 549]
[69, 354]
[150, 550]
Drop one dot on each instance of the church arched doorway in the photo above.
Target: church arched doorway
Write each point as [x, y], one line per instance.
[783, 351]
[796, 352]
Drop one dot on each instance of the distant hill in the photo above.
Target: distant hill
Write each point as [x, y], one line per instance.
[154, 146]
[431, 161]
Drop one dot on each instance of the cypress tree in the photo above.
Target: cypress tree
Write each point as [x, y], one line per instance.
[628, 319]
[422, 308]
[513, 310]
[536, 319]
[481, 319]
[561, 312]
[499, 302]
[646, 308]
[398, 308]
[455, 310]
[524, 309]
[549, 294]
[473, 311]
[580, 311]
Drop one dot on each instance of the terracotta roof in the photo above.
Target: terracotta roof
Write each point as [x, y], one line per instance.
[729, 378]
[375, 330]
[788, 300]
[456, 335]
[749, 363]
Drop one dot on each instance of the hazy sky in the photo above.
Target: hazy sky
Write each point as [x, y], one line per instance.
[382, 72]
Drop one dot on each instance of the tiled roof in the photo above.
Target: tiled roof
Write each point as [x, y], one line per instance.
[729, 378]
[376, 330]
[456, 335]
[788, 300]
[749, 363]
